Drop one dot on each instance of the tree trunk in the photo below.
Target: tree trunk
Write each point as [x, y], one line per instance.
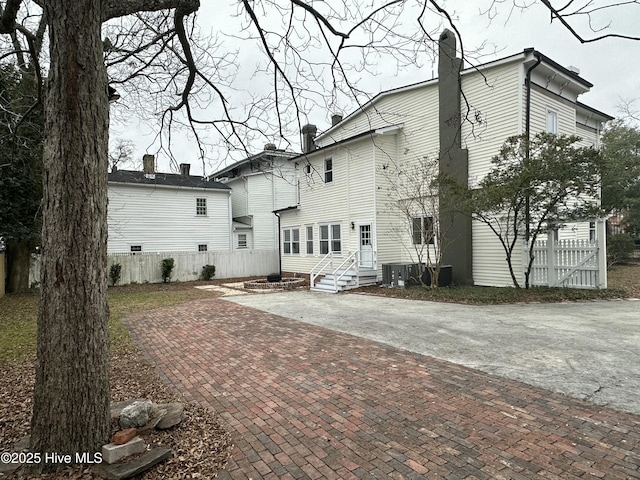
[71, 404]
[18, 262]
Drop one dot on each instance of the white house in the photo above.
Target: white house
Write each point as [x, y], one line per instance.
[163, 212]
[259, 185]
[461, 118]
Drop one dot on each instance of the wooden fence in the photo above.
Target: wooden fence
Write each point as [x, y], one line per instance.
[145, 267]
[570, 263]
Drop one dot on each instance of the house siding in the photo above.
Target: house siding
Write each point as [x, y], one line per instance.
[163, 219]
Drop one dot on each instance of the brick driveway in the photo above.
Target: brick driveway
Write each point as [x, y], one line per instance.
[303, 402]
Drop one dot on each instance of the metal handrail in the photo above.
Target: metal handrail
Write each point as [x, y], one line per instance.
[313, 275]
[337, 278]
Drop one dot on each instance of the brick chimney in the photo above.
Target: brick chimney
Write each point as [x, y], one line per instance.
[184, 169]
[335, 119]
[149, 164]
[309, 132]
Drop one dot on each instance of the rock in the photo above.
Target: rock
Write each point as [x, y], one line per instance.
[22, 445]
[127, 470]
[117, 407]
[136, 414]
[155, 416]
[175, 415]
[123, 436]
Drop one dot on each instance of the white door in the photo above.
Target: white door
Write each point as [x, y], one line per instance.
[366, 246]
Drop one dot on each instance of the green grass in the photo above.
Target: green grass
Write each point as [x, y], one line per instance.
[19, 315]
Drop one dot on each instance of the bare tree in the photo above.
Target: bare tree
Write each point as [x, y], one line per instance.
[414, 191]
[121, 155]
[188, 82]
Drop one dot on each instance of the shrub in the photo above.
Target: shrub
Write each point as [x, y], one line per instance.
[619, 248]
[208, 271]
[114, 273]
[167, 268]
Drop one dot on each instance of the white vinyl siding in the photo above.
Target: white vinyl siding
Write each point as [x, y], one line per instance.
[164, 219]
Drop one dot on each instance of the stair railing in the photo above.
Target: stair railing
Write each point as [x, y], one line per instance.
[318, 268]
[353, 258]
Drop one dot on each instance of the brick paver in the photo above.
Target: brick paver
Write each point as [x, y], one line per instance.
[303, 402]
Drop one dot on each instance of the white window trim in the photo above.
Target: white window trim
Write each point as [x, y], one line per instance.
[290, 242]
[552, 114]
[205, 206]
[246, 241]
[330, 240]
[307, 240]
[325, 171]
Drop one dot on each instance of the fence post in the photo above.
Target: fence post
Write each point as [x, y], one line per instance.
[601, 238]
[552, 276]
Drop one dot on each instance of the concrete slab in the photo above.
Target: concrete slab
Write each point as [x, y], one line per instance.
[586, 350]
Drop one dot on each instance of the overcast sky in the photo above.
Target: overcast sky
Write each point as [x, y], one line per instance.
[611, 65]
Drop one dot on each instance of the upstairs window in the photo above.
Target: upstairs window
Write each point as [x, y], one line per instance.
[552, 122]
[328, 170]
[201, 207]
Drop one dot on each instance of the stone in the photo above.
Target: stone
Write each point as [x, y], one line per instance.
[155, 416]
[129, 469]
[174, 415]
[112, 453]
[136, 414]
[22, 445]
[123, 436]
[117, 407]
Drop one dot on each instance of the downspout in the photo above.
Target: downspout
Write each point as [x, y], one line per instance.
[527, 131]
[277, 214]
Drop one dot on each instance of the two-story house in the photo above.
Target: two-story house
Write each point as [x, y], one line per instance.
[461, 118]
[259, 184]
[163, 212]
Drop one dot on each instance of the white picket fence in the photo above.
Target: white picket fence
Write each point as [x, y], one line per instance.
[145, 267]
[570, 263]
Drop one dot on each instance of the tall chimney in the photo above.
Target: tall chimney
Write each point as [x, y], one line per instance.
[335, 119]
[149, 164]
[184, 169]
[308, 136]
[270, 146]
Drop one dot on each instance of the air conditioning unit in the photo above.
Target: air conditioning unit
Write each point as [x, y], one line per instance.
[400, 275]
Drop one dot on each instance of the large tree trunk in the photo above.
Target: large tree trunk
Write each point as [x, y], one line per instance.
[18, 263]
[71, 405]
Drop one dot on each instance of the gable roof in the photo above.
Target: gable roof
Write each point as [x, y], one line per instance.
[265, 155]
[164, 179]
[527, 56]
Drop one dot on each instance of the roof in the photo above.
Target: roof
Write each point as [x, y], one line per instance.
[164, 179]
[527, 55]
[264, 155]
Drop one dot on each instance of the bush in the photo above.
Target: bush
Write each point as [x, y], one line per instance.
[208, 272]
[114, 273]
[619, 248]
[167, 268]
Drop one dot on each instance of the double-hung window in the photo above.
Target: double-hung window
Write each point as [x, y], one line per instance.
[422, 230]
[291, 241]
[552, 122]
[201, 207]
[330, 238]
[309, 240]
[328, 170]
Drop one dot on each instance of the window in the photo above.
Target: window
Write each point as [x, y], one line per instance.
[201, 207]
[202, 247]
[328, 170]
[330, 238]
[242, 240]
[592, 231]
[291, 241]
[552, 122]
[422, 231]
[309, 240]
[136, 248]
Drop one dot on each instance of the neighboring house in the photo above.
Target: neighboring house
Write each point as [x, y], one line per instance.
[163, 212]
[259, 185]
[463, 118]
